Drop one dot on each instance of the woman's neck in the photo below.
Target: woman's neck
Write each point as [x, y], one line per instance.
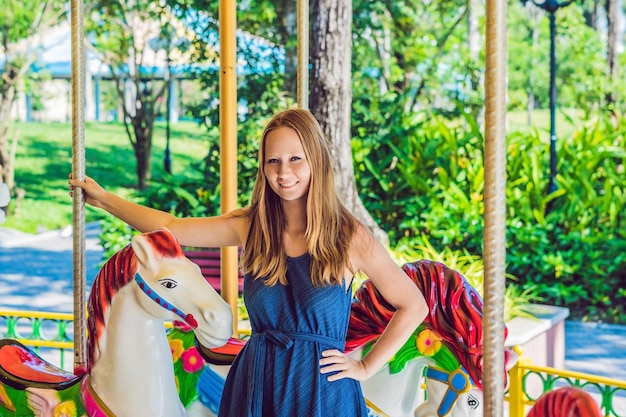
[294, 239]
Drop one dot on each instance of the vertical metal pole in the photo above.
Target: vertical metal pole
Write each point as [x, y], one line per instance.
[551, 6]
[303, 54]
[167, 160]
[495, 208]
[78, 171]
[552, 183]
[228, 144]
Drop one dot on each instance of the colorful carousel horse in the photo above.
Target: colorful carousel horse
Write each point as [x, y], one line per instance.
[445, 352]
[130, 371]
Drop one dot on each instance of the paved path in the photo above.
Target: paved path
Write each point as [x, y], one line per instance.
[36, 274]
[36, 271]
[598, 349]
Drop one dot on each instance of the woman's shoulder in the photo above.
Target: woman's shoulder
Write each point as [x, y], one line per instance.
[362, 236]
[361, 243]
[238, 220]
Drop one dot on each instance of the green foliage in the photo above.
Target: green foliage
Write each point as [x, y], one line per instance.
[196, 192]
[416, 170]
[20, 19]
[580, 59]
[416, 53]
[423, 179]
[575, 252]
[114, 237]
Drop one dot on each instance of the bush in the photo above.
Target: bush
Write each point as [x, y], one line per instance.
[424, 179]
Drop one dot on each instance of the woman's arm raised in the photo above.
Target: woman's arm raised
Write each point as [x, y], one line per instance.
[228, 229]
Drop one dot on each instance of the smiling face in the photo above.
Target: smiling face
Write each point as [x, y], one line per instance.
[285, 165]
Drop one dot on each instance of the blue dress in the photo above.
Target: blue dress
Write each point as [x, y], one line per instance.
[277, 374]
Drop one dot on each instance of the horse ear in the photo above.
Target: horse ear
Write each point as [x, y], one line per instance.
[510, 359]
[143, 249]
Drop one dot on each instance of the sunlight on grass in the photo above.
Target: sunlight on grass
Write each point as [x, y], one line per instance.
[44, 161]
[518, 121]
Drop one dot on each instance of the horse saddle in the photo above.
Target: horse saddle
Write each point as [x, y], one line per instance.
[21, 368]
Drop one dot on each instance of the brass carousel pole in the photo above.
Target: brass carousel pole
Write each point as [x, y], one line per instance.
[228, 144]
[494, 238]
[78, 171]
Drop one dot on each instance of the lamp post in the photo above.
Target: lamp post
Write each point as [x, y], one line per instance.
[167, 161]
[551, 6]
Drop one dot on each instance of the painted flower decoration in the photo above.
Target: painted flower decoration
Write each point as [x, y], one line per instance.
[192, 361]
[428, 342]
[65, 409]
[177, 348]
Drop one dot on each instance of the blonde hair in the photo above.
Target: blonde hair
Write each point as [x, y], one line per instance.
[329, 225]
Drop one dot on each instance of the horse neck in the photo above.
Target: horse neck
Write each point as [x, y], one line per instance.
[395, 393]
[134, 372]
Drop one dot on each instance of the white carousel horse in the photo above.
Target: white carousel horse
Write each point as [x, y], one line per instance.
[130, 371]
[445, 352]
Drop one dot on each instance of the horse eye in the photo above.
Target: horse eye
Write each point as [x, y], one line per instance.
[472, 402]
[169, 283]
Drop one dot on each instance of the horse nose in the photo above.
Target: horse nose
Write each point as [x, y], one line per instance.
[219, 316]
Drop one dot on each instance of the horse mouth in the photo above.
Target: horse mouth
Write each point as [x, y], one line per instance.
[211, 341]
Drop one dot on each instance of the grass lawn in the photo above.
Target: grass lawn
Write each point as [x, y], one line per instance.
[44, 161]
[567, 121]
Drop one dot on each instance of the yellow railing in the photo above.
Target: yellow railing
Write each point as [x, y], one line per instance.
[43, 331]
[525, 378]
[527, 381]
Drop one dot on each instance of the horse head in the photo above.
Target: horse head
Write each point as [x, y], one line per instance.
[175, 285]
[165, 286]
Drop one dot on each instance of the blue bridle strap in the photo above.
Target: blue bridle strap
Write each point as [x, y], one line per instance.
[458, 383]
[163, 302]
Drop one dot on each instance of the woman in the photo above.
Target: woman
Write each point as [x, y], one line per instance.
[301, 250]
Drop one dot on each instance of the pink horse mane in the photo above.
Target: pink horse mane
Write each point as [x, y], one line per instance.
[118, 271]
[455, 313]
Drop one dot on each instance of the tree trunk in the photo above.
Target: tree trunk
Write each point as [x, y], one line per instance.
[11, 78]
[138, 108]
[473, 32]
[331, 96]
[142, 126]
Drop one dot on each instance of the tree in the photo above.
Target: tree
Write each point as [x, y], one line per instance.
[137, 40]
[331, 96]
[21, 21]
